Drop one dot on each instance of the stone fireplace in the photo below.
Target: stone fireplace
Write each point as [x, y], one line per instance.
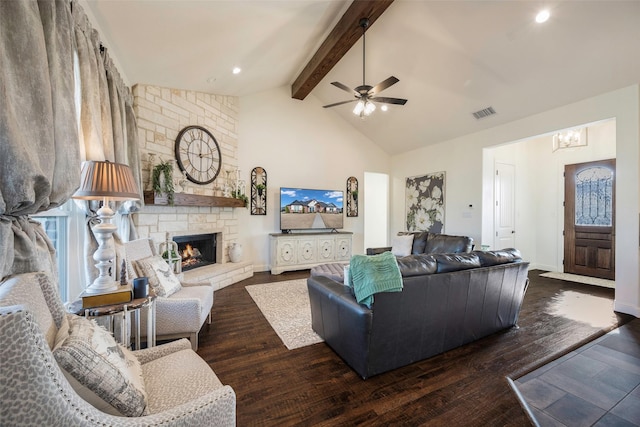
[162, 112]
[199, 250]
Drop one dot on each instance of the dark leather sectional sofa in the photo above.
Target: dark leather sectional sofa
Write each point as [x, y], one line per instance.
[448, 300]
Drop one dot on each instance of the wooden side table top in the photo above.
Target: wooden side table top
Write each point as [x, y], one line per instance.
[106, 310]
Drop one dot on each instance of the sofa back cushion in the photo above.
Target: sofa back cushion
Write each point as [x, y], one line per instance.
[417, 265]
[446, 244]
[456, 262]
[502, 256]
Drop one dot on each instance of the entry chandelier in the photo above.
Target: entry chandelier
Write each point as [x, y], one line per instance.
[570, 138]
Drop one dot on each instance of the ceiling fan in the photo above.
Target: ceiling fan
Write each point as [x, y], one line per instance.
[365, 94]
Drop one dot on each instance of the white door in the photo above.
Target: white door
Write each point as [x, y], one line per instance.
[375, 209]
[505, 217]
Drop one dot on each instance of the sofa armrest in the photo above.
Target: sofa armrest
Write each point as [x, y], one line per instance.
[148, 354]
[376, 251]
[203, 283]
[216, 408]
[332, 307]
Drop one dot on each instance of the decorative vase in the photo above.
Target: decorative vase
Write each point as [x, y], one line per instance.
[235, 252]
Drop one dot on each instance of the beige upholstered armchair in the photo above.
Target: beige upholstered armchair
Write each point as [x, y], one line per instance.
[36, 389]
[181, 314]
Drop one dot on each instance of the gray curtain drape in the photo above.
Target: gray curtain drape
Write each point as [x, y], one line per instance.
[107, 127]
[38, 133]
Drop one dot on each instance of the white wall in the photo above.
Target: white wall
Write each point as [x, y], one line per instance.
[463, 162]
[540, 189]
[299, 144]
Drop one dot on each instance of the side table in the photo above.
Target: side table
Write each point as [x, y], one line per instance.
[134, 307]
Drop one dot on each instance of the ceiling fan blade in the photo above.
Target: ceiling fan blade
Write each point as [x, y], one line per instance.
[398, 101]
[345, 88]
[383, 85]
[339, 103]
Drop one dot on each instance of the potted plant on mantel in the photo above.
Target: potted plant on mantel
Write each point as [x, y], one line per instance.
[162, 180]
[237, 195]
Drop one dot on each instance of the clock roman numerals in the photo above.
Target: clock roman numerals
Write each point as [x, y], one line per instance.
[198, 154]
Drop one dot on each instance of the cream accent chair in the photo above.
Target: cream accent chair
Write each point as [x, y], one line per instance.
[182, 389]
[181, 314]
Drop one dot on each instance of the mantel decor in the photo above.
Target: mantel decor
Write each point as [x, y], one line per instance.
[162, 180]
[352, 196]
[183, 199]
[424, 202]
[258, 191]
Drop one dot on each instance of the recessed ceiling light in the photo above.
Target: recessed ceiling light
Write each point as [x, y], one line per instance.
[384, 107]
[542, 16]
[237, 70]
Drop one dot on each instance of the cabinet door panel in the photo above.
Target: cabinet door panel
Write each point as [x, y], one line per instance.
[326, 249]
[286, 252]
[306, 251]
[343, 249]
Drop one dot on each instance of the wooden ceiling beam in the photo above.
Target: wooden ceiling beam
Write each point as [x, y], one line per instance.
[343, 36]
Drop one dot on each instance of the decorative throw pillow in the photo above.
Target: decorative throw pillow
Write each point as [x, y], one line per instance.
[161, 277]
[91, 355]
[401, 245]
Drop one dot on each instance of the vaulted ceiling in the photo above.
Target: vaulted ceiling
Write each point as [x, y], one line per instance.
[452, 57]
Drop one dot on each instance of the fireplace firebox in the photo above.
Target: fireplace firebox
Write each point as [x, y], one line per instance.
[196, 250]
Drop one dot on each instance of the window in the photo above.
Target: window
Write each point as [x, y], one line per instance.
[55, 224]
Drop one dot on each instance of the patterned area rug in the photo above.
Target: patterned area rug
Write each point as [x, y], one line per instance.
[286, 307]
[581, 279]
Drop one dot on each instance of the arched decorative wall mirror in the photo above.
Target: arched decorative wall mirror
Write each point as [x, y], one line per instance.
[352, 196]
[258, 191]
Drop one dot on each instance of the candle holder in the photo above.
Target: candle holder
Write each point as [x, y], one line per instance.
[227, 184]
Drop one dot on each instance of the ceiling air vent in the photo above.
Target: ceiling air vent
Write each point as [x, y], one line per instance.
[485, 112]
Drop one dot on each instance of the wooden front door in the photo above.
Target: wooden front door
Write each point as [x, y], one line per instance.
[589, 219]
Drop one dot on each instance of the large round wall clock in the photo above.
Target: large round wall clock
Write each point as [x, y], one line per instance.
[198, 154]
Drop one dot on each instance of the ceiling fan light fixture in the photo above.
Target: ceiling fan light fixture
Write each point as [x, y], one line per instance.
[364, 108]
[369, 107]
[365, 94]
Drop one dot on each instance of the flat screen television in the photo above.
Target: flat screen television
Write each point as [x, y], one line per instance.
[306, 209]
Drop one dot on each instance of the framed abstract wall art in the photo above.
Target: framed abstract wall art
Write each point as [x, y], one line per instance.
[425, 202]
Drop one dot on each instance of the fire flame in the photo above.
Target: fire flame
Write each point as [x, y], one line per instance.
[187, 252]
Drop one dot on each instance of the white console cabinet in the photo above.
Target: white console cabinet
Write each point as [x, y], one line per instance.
[299, 251]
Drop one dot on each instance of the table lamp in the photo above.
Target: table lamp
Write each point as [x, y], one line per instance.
[105, 180]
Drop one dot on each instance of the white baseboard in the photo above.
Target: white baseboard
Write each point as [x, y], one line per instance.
[625, 308]
[536, 266]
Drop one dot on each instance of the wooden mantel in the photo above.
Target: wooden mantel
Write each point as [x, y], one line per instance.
[183, 199]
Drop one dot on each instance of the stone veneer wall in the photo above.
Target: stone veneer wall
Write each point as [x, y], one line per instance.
[161, 114]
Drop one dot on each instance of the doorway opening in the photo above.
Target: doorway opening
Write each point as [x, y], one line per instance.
[538, 204]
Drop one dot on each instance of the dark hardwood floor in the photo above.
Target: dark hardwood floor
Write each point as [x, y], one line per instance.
[463, 387]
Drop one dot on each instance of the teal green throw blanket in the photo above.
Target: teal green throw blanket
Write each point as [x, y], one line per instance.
[370, 274]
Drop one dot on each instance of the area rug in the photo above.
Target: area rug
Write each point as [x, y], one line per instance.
[286, 307]
[581, 279]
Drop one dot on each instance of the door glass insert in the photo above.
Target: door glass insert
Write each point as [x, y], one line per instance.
[594, 197]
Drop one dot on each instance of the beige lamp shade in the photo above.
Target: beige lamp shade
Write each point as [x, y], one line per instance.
[100, 179]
